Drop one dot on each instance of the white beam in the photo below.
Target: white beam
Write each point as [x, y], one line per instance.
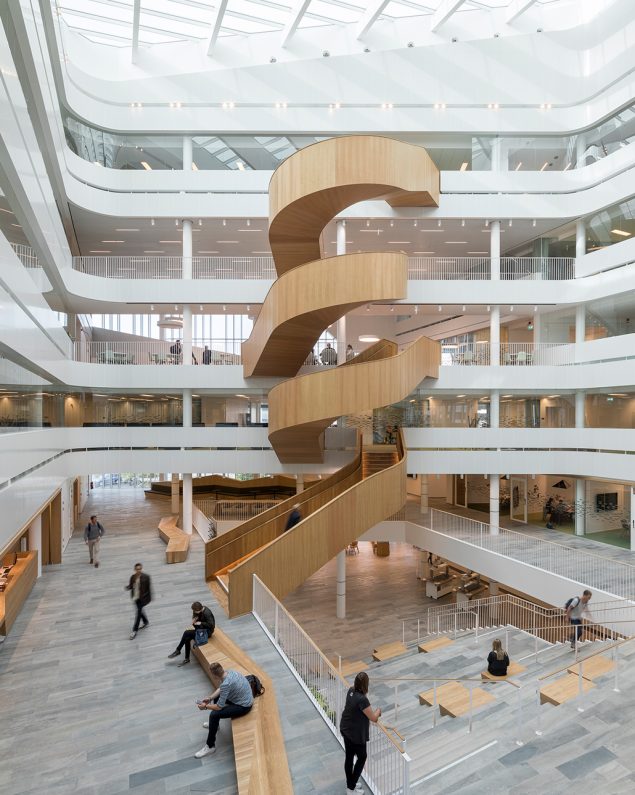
[444, 12]
[216, 25]
[296, 17]
[136, 17]
[517, 8]
[370, 16]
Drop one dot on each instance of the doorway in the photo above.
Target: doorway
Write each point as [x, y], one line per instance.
[518, 500]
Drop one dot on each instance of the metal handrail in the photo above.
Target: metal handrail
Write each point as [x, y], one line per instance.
[588, 657]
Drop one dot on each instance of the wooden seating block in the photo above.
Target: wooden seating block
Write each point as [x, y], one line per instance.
[447, 690]
[350, 668]
[599, 665]
[453, 698]
[434, 645]
[563, 689]
[513, 669]
[388, 651]
[178, 542]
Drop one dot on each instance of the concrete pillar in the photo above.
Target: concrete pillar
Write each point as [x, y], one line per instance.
[580, 507]
[494, 409]
[580, 330]
[495, 336]
[495, 249]
[580, 149]
[580, 239]
[187, 249]
[449, 489]
[187, 153]
[35, 541]
[494, 503]
[175, 493]
[299, 484]
[632, 490]
[187, 335]
[579, 409]
[423, 502]
[537, 321]
[341, 585]
[499, 155]
[493, 588]
[187, 503]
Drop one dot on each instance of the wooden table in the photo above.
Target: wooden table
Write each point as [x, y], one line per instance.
[21, 579]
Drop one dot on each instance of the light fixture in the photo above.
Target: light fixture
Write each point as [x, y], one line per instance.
[224, 308]
[240, 166]
[544, 165]
[440, 308]
[439, 222]
[176, 222]
[518, 166]
[530, 326]
[368, 338]
[126, 230]
[113, 241]
[224, 222]
[200, 222]
[620, 232]
[414, 223]
[152, 222]
[146, 165]
[511, 308]
[463, 166]
[463, 222]
[510, 222]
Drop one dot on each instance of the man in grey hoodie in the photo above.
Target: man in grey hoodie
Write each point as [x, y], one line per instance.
[93, 532]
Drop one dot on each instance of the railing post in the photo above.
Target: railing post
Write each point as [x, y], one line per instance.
[275, 624]
[469, 727]
[616, 687]
[539, 729]
[406, 770]
[518, 718]
[418, 630]
[477, 624]
[396, 701]
[580, 685]
[455, 617]
[434, 704]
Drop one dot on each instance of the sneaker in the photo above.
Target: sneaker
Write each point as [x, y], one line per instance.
[183, 662]
[96, 565]
[205, 751]
[206, 725]
[90, 562]
[133, 635]
[143, 626]
[174, 654]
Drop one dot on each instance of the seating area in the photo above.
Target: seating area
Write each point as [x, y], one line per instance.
[178, 542]
[454, 699]
[259, 750]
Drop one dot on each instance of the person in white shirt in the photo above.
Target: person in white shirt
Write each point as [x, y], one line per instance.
[576, 609]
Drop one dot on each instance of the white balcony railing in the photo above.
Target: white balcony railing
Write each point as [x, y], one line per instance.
[605, 574]
[204, 352]
[419, 268]
[26, 255]
[387, 770]
[519, 354]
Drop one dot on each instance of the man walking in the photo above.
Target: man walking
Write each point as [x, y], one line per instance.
[93, 532]
[141, 594]
[576, 608]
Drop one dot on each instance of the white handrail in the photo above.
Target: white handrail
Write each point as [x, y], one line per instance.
[204, 352]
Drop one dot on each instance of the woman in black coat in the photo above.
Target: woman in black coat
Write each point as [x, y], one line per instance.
[202, 618]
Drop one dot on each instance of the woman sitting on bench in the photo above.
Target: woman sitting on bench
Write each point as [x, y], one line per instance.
[497, 659]
[202, 619]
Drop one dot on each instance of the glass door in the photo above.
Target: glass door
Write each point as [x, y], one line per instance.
[518, 501]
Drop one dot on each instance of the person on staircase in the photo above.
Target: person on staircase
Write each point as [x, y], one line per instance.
[354, 726]
[497, 659]
[202, 618]
[294, 517]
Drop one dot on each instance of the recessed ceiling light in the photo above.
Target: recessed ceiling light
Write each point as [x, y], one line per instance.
[477, 252]
[261, 252]
[113, 241]
[147, 166]
[518, 166]
[250, 230]
[456, 242]
[463, 167]
[170, 241]
[227, 241]
[423, 252]
[208, 252]
[100, 251]
[368, 338]
[553, 396]
[3, 210]
[154, 251]
[126, 230]
[620, 232]
[505, 396]
[460, 396]
[398, 242]
[240, 166]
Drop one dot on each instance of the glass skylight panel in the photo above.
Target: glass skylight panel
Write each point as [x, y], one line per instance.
[337, 13]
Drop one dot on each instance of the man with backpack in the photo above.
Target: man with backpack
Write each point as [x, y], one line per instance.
[576, 608]
[93, 532]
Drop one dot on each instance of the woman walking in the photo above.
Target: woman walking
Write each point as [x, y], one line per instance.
[354, 726]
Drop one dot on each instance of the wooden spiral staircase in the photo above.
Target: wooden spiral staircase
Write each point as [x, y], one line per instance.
[306, 192]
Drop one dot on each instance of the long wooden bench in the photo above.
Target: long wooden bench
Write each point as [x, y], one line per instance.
[435, 645]
[259, 750]
[513, 669]
[388, 651]
[178, 542]
[564, 689]
[596, 666]
[453, 699]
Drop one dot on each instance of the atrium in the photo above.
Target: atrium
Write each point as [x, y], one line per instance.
[348, 360]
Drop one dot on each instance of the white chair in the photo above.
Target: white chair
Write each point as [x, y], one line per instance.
[468, 357]
[521, 357]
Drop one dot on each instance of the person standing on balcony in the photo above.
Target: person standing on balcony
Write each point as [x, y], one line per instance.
[354, 726]
[576, 608]
[328, 355]
[176, 350]
[350, 353]
[92, 535]
[207, 355]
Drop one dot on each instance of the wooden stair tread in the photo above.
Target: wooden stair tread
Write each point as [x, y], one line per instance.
[453, 698]
[513, 669]
[446, 690]
[221, 595]
[349, 667]
[563, 689]
[434, 645]
[388, 651]
[599, 665]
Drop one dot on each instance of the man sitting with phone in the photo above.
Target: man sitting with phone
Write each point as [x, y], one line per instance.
[231, 699]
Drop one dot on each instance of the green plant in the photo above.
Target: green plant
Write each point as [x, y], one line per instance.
[323, 703]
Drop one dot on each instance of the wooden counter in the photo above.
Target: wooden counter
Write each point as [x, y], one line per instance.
[21, 579]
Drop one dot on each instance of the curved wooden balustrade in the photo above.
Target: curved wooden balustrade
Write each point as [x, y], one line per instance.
[307, 299]
[301, 408]
[318, 182]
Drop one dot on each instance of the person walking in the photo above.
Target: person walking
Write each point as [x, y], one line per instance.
[294, 517]
[92, 535]
[497, 659]
[141, 594]
[354, 727]
[232, 698]
[202, 618]
[576, 608]
[207, 355]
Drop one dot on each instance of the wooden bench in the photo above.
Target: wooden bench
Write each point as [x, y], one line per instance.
[594, 667]
[564, 689]
[20, 581]
[453, 699]
[513, 669]
[388, 651]
[435, 645]
[178, 542]
[259, 750]
[350, 668]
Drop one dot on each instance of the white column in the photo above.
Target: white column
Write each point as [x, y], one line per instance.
[580, 329]
[340, 238]
[187, 503]
[580, 506]
[498, 155]
[35, 541]
[424, 502]
[187, 408]
[632, 490]
[537, 321]
[580, 149]
[341, 585]
[494, 503]
[187, 249]
[579, 409]
[580, 239]
[175, 493]
[495, 249]
[187, 153]
[495, 336]
[299, 484]
[494, 409]
[187, 335]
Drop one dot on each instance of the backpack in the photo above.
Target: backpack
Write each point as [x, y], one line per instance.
[256, 685]
[569, 602]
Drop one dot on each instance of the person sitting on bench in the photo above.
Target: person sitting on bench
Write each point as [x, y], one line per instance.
[232, 698]
[497, 660]
[202, 618]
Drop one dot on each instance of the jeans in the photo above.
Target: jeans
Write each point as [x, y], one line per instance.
[354, 772]
[141, 616]
[93, 550]
[186, 640]
[577, 632]
[215, 716]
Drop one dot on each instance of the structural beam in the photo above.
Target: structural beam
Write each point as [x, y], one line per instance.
[136, 18]
[517, 8]
[216, 25]
[296, 17]
[444, 12]
[370, 16]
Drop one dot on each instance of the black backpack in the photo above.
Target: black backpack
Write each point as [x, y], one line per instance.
[256, 685]
[570, 602]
